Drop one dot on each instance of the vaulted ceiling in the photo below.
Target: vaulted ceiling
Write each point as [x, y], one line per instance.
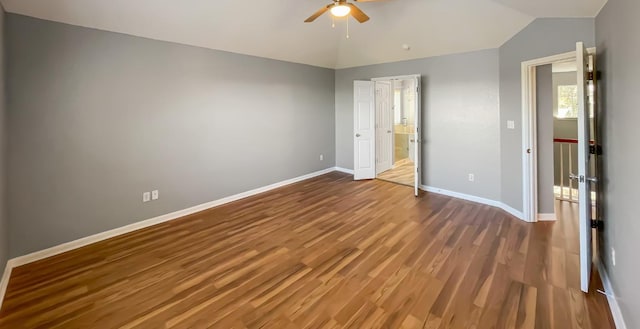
[275, 29]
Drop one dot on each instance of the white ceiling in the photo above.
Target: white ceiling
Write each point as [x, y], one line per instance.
[275, 29]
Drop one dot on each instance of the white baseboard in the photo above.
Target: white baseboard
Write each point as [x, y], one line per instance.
[68, 246]
[547, 217]
[516, 213]
[49, 252]
[513, 211]
[344, 170]
[611, 297]
[38, 255]
[5, 281]
[459, 195]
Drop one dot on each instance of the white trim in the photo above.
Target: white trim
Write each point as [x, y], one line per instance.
[529, 184]
[343, 170]
[68, 246]
[513, 211]
[4, 283]
[529, 135]
[616, 313]
[547, 217]
[472, 198]
[459, 195]
[38, 255]
[417, 135]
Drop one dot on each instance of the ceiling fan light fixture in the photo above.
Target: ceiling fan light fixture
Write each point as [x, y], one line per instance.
[340, 10]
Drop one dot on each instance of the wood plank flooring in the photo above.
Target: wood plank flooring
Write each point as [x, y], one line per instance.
[324, 253]
[402, 173]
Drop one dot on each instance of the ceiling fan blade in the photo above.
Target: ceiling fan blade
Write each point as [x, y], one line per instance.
[317, 14]
[358, 14]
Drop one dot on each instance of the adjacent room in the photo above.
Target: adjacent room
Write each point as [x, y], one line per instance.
[319, 164]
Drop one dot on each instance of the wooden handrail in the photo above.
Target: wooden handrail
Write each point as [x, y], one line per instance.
[570, 141]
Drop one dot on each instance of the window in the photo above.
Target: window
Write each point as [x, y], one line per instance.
[567, 102]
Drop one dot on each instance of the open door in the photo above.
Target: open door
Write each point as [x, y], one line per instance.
[585, 77]
[384, 126]
[364, 146]
[416, 136]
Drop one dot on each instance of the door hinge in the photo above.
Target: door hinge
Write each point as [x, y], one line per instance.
[597, 223]
[590, 76]
[595, 149]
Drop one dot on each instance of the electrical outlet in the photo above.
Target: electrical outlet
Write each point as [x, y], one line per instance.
[472, 177]
[146, 196]
[155, 195]
[321, 157]
[613, 256]
[511, 124]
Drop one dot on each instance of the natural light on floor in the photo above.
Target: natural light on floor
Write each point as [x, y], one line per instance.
[569, 194]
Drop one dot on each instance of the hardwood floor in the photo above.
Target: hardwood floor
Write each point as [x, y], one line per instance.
[324, 253]
[403, 173]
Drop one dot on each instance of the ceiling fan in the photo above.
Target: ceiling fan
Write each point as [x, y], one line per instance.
[342, 8]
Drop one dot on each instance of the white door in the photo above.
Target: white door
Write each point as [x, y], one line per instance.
[364, 146]
[584, 157]
[384, 126]
[417, 135]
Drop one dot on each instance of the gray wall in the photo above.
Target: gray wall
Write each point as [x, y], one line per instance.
[96, 118]
[460, 113]
[618, 51]
[543, 37]
[4, 226]
[565, 128]
[544, 102]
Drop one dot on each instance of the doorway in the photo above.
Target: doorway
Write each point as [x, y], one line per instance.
[587, 150]
[395, 127]
[387, 130]
[557, 137]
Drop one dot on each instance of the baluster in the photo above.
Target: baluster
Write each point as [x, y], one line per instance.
[561, 171]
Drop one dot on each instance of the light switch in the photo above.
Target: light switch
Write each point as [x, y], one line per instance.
[511, 124]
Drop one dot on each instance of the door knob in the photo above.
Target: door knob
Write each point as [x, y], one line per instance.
[573, 176]
[388, 131]
[357, 135]
[592, 179]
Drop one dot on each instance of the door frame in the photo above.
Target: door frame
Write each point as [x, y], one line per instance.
[418, 134]
[529, 131]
